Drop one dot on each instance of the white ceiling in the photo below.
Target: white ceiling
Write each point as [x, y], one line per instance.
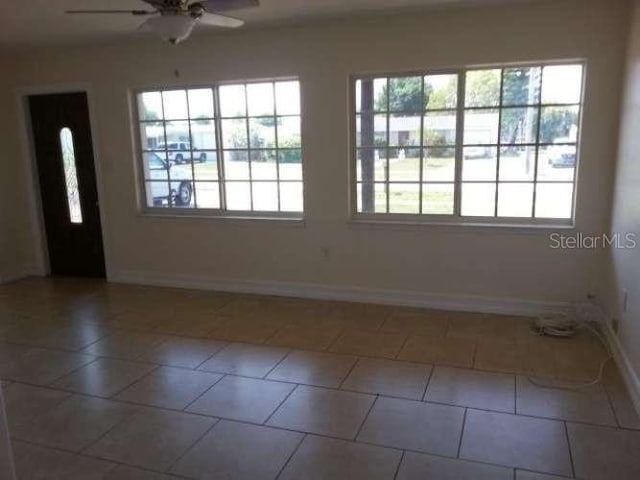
[43, 22]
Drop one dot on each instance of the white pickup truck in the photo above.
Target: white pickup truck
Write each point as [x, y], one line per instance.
[180, 152]
[167, 185]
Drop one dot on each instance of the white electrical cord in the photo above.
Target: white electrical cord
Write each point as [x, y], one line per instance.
[560, 325]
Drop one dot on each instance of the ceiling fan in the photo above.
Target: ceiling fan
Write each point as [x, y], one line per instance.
[173, 20]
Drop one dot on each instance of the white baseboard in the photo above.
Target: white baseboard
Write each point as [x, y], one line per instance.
[629, 374]
[510, 306]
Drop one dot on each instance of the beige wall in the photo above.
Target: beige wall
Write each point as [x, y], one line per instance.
[489, 262]
[624, 264]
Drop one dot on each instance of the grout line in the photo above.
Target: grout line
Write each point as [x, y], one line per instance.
[186, 407]
[366, 417]
[426, 387]
[464, 423]
[284, 357]
[266, 421]
[188, 449]
[295, 450]
[395, 475]
[566, 432]
[353, 366]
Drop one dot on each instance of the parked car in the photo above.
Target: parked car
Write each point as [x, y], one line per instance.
[180, 152]
[171, 184]
[561, 155]
[476, 152]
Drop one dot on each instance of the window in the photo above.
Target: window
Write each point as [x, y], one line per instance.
[70, 175]
[231, 149]
[492, 144]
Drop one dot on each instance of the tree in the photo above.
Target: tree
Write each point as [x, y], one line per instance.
[405, 95]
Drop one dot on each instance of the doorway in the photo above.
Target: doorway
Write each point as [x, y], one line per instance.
[64, 157]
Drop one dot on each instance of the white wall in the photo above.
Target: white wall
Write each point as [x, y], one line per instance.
[443, 261]
[623, 265]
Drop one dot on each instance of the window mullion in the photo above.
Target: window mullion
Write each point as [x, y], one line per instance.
[246, 119]
[457, 196]
[421, 166]
[193, 168]
[535, 165]
[220, 151]
[498, 142]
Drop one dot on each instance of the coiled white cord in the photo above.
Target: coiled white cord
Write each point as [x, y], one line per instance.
[560, 325]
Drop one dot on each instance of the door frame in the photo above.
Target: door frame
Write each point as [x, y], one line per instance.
[42, 267]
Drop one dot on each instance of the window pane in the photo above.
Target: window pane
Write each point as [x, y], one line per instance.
[405, 95]
[232, 101]
[482, 88]
[152, 136]
[554, 200]
[70, 175]
[289, 132]
[439, 164]
[521, 86]
[203, 134]
[404, 198]
[150, 106]
[291, 197]
[264, 165]
[157, 194]
[177, 137]
[372, 135]
[207, 195]
[437, 198]
[288, 98]
[262, 132]
[200, 103]
[175, 104]
[519, 125]
[155, 166]
[260, 99]
[376, 159]
[404, 130]
[405, 164]
[557, 163]
[559, 124]
[265, 196]
[517, 163]
[205, 168]
[478, 199]
[290, 164]
[440, 128]
[238, 195]
[441, 91]
[481, 127]
[372, 198]
[378, 92]
[180, 173]
[236, 165]
[515, 199]
[234, 133]
[562, 84]
[479, 163]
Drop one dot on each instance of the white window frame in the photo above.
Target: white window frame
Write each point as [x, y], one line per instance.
[456, 218]
[222, 212]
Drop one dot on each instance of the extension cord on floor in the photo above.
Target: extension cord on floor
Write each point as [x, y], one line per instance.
[566, 326]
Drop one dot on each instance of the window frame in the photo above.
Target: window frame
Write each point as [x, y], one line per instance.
[213, 213]
[456, 219]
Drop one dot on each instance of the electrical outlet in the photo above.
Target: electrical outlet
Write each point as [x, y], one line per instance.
[615, 325]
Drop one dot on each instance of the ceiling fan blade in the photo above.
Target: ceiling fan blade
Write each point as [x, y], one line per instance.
[224, 5]
[215, 20]
[132, 12]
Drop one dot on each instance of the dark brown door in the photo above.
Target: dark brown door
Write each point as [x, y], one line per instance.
[64, 154]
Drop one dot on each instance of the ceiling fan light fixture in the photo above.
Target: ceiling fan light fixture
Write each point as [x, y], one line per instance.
[171, 27]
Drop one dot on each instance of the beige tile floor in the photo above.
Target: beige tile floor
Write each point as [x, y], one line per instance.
[107, 381]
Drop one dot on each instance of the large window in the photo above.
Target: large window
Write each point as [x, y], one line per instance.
[228, 149]
[492, 144]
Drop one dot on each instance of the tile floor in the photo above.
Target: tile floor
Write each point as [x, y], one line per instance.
[107, 381]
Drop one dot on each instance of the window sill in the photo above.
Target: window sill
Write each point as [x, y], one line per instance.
[460, 225]
[289, 221]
